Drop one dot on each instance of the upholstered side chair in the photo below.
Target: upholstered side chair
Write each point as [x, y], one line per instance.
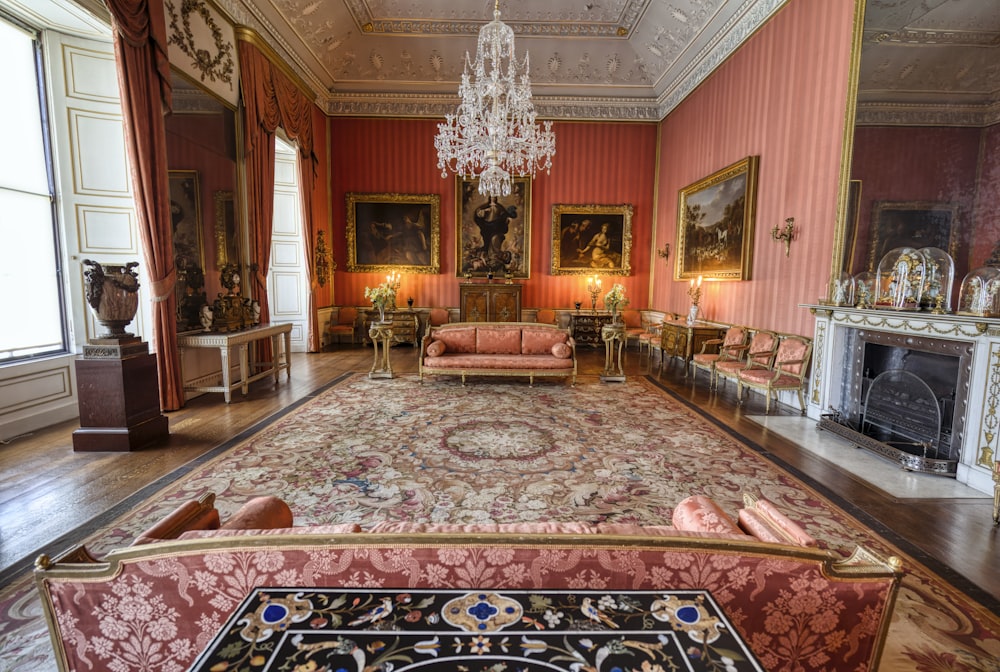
[438, 316]
[759, 355]
[347, 322]
[791, 364]
[728, 348]
[545, 316]
[633, 325]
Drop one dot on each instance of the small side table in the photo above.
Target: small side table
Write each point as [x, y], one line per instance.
[381, 335]
[613, 334]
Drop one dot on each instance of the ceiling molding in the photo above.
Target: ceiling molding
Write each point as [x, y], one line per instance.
[917, 114]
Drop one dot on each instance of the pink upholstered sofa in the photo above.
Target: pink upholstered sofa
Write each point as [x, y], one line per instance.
[157, 604]
[498, 349]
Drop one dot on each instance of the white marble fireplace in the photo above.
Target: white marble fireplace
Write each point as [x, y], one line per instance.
[970, 348]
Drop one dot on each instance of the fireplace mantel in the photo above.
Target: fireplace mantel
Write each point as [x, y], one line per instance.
[981, 442]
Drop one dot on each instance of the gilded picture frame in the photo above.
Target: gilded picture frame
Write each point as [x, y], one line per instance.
[227, 234]
[588, 239]
[185, 214]
[393, 232]
[715, 224]
[913, 224]
[494, 234]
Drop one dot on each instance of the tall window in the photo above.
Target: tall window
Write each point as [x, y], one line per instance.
[30, 270]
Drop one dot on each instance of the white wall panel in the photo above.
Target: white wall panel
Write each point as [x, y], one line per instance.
[287, 299]
[107, 230]
[100, 162]
[286, 213]
[286, 253]
[90, 75]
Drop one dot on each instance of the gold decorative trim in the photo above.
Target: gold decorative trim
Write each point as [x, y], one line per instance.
[819, 356]
[988, 429]
[913, 325]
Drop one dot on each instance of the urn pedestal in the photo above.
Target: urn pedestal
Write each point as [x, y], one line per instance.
[119, 398]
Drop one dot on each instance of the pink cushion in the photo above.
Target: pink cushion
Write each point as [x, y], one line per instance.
[192, 515]
[536, 341]
[791, 350]
[436, 348]
[340, 528]
[562, 350]
[699, 513]
[509, 362]
[457, 339]
[498, 340]
[784, 525]
[260, 513]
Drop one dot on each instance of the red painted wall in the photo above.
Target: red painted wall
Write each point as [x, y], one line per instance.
[986, 215]
[782, 96]
[936, 165]
[595, 163]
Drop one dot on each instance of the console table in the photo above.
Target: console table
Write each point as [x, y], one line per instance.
[404, 325]
[680, 339]
[586, 327]
[241, 340]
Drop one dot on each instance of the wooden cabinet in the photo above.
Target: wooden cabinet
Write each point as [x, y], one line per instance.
[481, 302]
[586, 327]
[680, 339]
[405, 325]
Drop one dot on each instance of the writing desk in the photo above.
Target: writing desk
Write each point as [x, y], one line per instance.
[281, 347]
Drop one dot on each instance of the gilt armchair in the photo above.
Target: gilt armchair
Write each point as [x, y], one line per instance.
[791, 363]
[633, 326]
[346, 324]
[759, 354]
[730, 348]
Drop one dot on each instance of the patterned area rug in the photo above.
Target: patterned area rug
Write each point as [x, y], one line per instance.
[368, 451]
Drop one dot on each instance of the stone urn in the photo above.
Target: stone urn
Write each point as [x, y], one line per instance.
[112, 294]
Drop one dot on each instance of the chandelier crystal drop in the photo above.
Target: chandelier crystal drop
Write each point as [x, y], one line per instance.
[493, 134]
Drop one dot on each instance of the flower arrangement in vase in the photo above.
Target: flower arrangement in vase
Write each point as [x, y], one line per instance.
[615, 300]
[381, 296]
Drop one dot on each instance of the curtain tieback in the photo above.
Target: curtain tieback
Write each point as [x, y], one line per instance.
[164, 289]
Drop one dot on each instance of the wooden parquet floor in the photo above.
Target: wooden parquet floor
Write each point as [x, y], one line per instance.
[47, 491]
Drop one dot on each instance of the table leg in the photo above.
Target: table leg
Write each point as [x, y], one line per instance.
[244, 368]
[276, 344]
[287, 354]
[226, 377]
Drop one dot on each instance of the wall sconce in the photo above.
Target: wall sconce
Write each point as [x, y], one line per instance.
[594, 287]
[664, 253]
[322, 259]
[786, 235]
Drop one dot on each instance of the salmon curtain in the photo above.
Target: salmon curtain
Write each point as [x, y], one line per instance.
[271, 100]
[140, 39]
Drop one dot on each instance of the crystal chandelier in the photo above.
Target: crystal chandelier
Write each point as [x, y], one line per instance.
[493, 134]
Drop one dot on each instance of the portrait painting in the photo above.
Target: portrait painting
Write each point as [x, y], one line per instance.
[588, 239]
[715, 224]
[913, 224]
[494, 232]
[393, 232]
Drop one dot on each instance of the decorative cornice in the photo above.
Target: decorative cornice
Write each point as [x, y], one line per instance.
[752, 15]
[919, 114]
[417, 105]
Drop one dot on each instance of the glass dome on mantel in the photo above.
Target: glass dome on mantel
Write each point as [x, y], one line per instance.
[980, 294]
[939, 277]
[843, 291]
[864, 289]
[901, 274]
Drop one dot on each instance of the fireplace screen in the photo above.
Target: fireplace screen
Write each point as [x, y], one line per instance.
[902, 411]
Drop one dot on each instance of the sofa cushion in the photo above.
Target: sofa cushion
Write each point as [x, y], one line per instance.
[763, 520]
[561, 350]
[699, 513]
[436, 349]
[192, 515]
[260, 513]
[457, 339]
[498, 340]
[495, 362]
[539, 341]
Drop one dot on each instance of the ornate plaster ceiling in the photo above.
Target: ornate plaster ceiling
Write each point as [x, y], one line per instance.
[923, 61]
[604, 59]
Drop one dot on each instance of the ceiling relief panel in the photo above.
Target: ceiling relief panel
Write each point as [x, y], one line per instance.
[930, 62]
[590, 59]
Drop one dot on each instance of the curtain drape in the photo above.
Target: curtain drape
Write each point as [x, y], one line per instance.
[140, 41]
[271, 100]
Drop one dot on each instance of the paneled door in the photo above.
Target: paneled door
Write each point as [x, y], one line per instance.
[287, 286]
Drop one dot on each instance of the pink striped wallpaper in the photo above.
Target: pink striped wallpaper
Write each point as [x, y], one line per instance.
[595, 163]
[782, 97]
